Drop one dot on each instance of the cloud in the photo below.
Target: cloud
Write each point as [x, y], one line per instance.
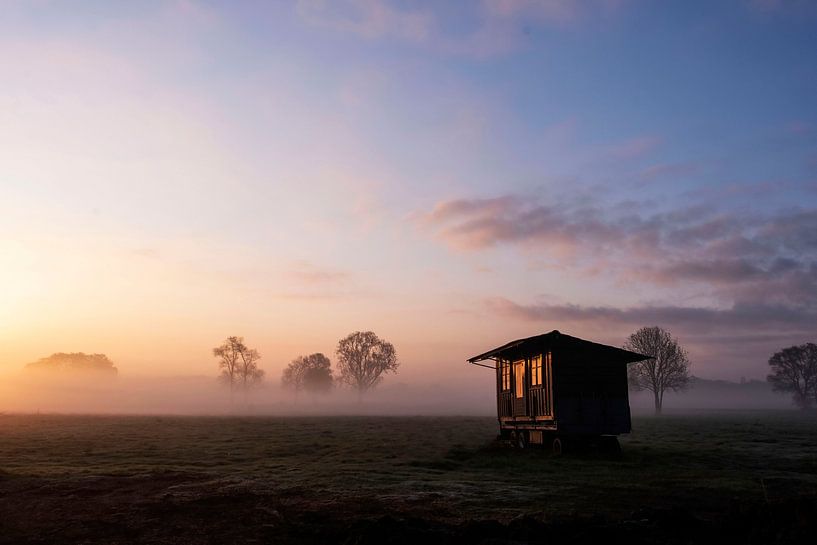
[549, 11]
[480, 223]
[306, 281]
[692, 320]
[737, 337]
[747, 279]
[370, 19]
[668, 170]
[308, 273]
[492, 28]
[635, 148]
[737, 257]
[558, 11]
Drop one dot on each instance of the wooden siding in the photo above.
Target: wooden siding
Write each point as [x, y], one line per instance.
[592, 398]
[504, 404]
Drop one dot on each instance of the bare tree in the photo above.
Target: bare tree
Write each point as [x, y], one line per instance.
[238, 364]
[794, 370]
[668, 368]
[312, 373]
[229, 356]
[363, 358]
[248, 371]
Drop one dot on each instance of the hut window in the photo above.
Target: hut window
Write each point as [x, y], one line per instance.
[519, 372]
[505, 370]
[536, 371]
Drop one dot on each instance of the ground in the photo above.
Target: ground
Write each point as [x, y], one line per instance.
[747, 477]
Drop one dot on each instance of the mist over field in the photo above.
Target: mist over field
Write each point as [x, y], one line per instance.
[474, 394]
[204, 395]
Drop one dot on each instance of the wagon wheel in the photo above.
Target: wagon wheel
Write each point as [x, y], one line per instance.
[557, 446]
[518, 439]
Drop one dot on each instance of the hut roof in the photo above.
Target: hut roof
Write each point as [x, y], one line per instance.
[565, 343]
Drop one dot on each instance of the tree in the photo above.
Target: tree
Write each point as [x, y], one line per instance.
[312, 373]
[363, 358]
[794, 370]
[248, 372]
[74, 362]
[238, 364]
[667, 368]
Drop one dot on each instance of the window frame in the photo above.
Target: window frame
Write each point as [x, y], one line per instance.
[536, 370]
[519, 378]
[504, 375]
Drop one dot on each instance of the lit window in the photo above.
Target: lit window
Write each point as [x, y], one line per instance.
[536, 370]
[519, 372]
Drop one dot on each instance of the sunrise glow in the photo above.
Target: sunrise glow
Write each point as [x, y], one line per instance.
[175, 172]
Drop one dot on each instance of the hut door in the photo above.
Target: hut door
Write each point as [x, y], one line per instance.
[519, 404]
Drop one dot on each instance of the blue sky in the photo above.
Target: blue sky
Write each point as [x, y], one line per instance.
[452, 175]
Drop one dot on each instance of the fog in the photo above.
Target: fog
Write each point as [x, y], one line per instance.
[716, 395]
[470, 393]
[203, 395]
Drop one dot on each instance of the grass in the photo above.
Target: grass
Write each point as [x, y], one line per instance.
[447, 464]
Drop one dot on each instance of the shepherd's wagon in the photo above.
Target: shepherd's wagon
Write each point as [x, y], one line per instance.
[554, 389]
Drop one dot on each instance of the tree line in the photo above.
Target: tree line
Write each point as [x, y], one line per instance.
[362, 360]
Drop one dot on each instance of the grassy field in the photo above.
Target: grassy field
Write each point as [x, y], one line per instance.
[100, 479]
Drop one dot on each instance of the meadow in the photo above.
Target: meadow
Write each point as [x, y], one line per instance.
[742, 477]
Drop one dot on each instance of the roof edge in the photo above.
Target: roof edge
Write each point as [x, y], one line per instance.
[555, 334]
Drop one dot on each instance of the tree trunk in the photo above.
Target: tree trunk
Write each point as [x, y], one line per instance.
[658, 402]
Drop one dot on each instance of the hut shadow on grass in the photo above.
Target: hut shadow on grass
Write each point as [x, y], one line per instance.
[502, 454]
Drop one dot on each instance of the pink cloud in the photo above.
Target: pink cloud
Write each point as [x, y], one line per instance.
[734, 319]
[760, 259]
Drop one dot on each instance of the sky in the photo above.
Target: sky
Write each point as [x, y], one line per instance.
[450, 175]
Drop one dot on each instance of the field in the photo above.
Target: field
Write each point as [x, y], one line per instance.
[746, 477]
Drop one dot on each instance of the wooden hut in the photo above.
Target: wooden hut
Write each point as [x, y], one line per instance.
[552, 387]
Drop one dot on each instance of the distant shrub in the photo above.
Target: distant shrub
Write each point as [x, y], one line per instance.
[74, 362]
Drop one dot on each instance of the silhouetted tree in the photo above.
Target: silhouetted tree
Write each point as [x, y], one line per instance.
[312, 373]
[248, 371]
[74, 362]
[668, 368]
[363, 358]
[794, 370]
[228, 354]
[238, 364]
